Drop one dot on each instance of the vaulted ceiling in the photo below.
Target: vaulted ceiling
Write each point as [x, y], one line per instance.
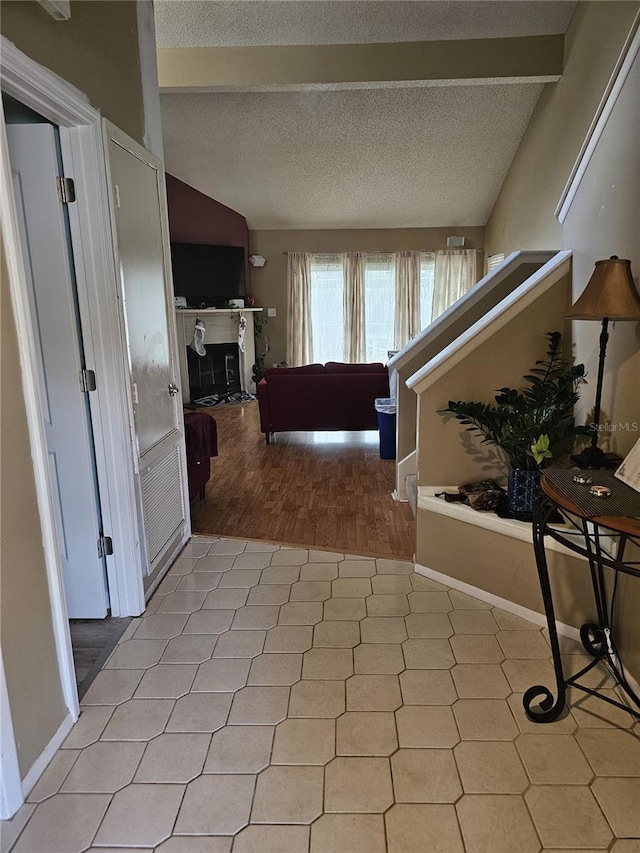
[351, 114]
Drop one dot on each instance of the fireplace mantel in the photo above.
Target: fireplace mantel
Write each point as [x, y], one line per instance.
[221, 327]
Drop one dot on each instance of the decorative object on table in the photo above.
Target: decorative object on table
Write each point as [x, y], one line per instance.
[531, 425]
[197, 344]
[610, 294]
[262, 347]
[629, 471]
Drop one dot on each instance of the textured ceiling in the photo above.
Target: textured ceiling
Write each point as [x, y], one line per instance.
[214, 23]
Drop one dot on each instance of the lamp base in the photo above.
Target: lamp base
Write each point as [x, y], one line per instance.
[593, 457]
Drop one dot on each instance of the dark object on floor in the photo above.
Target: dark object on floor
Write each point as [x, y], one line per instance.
[487, 496]
[201, 439]
[92, 641]
[220, 400]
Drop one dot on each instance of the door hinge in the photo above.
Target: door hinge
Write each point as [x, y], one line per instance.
[116, 195]
[66, 190]
[88, 380]
[105, 546]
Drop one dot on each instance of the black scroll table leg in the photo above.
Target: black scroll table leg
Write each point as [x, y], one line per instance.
[549, 710]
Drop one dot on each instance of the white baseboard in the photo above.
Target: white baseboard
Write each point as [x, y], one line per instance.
[41, 762]
[496, 601]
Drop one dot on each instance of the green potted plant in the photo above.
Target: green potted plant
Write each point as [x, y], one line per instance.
[531, 425]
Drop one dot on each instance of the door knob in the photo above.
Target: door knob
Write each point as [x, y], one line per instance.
[172, 389]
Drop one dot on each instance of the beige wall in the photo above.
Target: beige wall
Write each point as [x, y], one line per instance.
[26, 631]
[96, 50]
[269, 283]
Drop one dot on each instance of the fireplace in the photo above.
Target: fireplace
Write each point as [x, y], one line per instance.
[217, 372]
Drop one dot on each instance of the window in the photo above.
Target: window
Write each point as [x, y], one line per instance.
[427, 279]
[327, 308]
[494, 261]
[379, 306]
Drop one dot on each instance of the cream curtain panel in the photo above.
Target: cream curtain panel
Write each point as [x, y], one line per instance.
[299, 332]
[454, 275]
[355, 345]
[407, 310]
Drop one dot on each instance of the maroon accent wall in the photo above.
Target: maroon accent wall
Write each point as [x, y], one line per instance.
[196, 218]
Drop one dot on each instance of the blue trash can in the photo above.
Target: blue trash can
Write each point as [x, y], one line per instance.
[386, 411]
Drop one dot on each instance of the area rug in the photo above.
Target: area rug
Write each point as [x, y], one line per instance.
[220, 400]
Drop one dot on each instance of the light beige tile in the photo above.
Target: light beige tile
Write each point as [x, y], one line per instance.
[476, 648]
[275, 669]
[170, 583]
[480, 680]
[300, 613]
[130, 630]
[227, 546]
[484, 719]
[423, 584]
[216, 805]
[354, 785]
[328, 664]
[378, 659]
[182, 566]
[425, 776]
[240, 644]
[553, 760]
[625, 845]
[290, 557]
[239, 749]
[288, 795]
[408, 825]
[524, 644]
[430, 602]
[391, 585]
[151, 606]
[319, 572]
[225, 599]
[11, 828]
[199, 581]
[192, 844]
[161, 626]
[221, 675]
[428, 654]
[280, 575]
[567, 816]
[240, 579]
[317, 699]
[357, 557]
[189, 648]
[462, 601]
[259, 706]
[269, 593]
[255, 618]
[289, 638]
[428, 625]
[262, 547]
[173, 758]
[345, 609]
[473, 622]
[136, 654]
[522, 674]
[592, 713]
[195, 549]
[355, 833]
[113, 686]
[209, 622]
[56, 772]
[394, 567]
[597, 677]
[249, 560]
[336, 634]
[182, 602]
[140, 815]
[325, 556]
[510, 622]
[427, 687]
[565, 724]
[611, 752]
[430, 726]
[272, 839]
[357, 568]
[490, 767]
[620, 800]
[383, 629]
[366, 733]
[138, 719]
[310, 591]
[65, 823]
[387, 605]
[350, 588]
[200, 712]
[214, 563]
[104, 768]
[304, 742]
[166, 681]
[496, 822]
[373, 693]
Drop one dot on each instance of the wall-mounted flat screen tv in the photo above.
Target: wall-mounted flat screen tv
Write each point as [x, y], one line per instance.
[207, 275]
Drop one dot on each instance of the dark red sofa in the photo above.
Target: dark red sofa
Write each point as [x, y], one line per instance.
[334, 396]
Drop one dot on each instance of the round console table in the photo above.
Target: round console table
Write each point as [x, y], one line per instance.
[586, 529]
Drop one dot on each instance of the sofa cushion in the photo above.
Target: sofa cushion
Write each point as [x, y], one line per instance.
[296, 371]
[345, 367]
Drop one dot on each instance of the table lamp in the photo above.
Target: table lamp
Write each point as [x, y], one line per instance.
[609, 295]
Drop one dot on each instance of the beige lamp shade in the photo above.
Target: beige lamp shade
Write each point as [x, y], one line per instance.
[610, 292]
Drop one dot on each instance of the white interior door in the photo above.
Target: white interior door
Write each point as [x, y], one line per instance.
[137, 184]
[58, 342]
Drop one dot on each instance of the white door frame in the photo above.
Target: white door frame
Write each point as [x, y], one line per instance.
[84, 159]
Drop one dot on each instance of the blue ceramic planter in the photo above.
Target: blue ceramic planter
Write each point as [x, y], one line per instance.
[522, 493]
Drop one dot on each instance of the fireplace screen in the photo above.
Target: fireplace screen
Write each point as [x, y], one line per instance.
[217, 372]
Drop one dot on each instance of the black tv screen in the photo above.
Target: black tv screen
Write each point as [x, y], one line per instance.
[208, 275]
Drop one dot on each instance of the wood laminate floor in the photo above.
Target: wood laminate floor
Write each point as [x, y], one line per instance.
[317, 489]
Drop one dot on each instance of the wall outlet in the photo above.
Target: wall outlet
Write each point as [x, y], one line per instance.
[271, 312]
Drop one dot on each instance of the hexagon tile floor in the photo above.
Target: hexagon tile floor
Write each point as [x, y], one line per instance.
[278, 700]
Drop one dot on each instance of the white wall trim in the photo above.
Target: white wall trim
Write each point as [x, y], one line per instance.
[149, 75]
[496, 601]
[605, 108]
[11, 794]
[40, 764]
